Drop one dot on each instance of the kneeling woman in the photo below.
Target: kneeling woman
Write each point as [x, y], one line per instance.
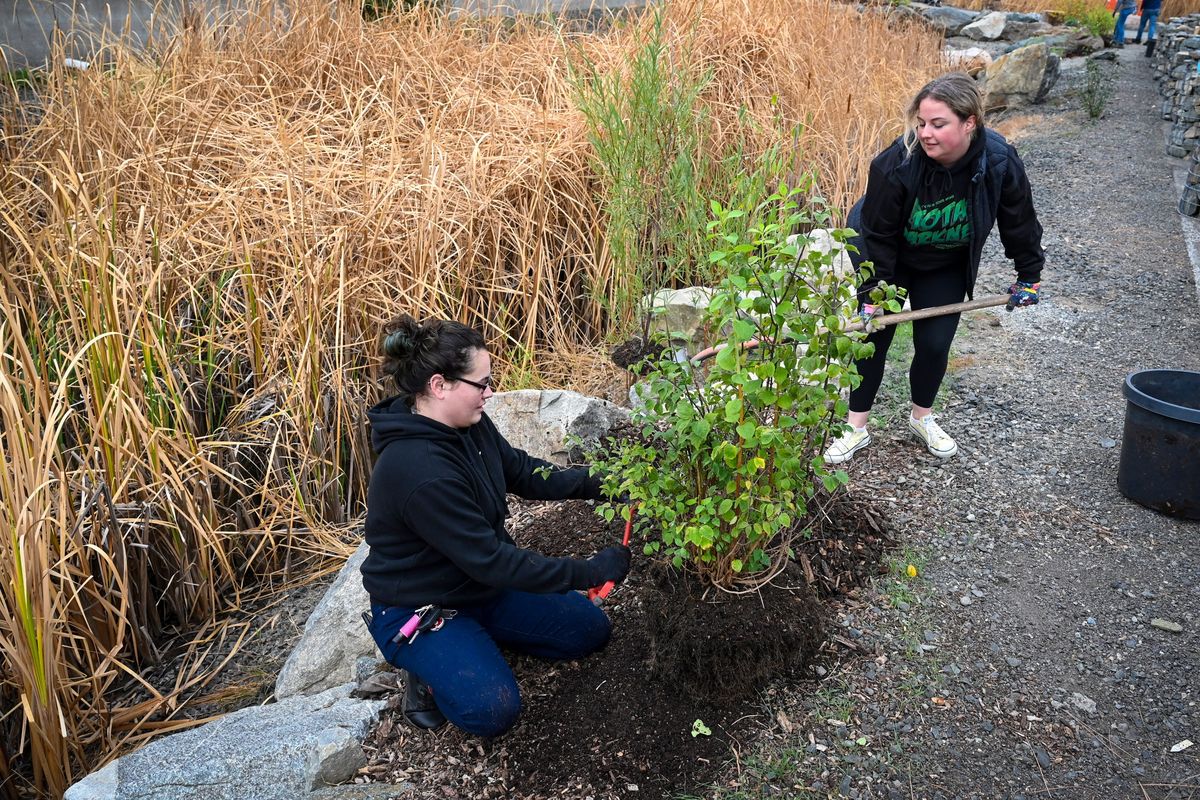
[435, 525]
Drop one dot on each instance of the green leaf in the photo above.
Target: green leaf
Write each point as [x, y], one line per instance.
[733, 409]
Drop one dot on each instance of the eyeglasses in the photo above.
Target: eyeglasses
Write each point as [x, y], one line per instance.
[481, 386]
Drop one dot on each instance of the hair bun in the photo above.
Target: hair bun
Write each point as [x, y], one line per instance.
[398, 344]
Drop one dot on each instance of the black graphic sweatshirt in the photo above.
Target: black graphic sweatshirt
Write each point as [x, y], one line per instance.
[436, 507]
[997, 195]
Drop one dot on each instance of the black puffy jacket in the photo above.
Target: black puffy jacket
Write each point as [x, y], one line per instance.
[436, 507]
[1000, 196]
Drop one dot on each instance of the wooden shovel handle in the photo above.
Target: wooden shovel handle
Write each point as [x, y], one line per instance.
[883, 321]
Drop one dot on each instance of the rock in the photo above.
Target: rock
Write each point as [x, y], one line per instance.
[1108, 443]
[987, 28]
[946, 18]
[280, 751]
[678, 313]
[1083, 703]
[334, 637]
[540, 422]
[1166, 625]
[1069, 45]
[820, 240]
[1021, 77]
[972, 60]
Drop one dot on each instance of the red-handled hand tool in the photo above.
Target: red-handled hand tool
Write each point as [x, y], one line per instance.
[597, 594]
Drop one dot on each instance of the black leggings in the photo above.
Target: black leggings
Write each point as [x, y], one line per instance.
[931, 337]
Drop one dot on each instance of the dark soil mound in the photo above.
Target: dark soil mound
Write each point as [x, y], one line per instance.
[636, 354]
[628, 716]
[729, 645]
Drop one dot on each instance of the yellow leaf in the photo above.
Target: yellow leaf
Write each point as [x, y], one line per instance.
[912, 571]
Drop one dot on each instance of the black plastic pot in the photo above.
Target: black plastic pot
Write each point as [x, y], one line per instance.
[1150, 47]
[1160, 450]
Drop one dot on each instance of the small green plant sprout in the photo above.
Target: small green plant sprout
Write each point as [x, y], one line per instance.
[700, 729]
[728, 458]
[1097, 89]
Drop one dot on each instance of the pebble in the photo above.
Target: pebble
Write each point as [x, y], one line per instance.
[965, 600]
[1108, 443]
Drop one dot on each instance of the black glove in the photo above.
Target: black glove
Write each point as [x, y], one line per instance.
[610, 564]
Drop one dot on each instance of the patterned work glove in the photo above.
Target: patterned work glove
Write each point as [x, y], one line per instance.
[1022, 294]
[866, 315]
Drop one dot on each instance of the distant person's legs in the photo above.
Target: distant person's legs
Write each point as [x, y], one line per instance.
[1149, 21]
[1119, 30]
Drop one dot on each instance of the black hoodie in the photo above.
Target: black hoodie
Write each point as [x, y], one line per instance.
[999, 195]
[436, 507]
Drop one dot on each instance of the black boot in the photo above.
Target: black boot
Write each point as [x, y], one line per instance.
[419, 707]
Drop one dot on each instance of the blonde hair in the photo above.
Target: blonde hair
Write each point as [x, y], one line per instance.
[958, 91]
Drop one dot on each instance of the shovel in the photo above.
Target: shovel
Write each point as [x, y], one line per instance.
[884, 320]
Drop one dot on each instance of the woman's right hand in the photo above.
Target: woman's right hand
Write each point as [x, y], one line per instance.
[610, 564]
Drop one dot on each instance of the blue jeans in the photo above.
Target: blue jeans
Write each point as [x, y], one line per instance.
[1119, 30]
[472, 684]
[1149, 18]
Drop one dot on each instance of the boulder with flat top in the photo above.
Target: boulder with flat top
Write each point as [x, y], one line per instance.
[1022, 77]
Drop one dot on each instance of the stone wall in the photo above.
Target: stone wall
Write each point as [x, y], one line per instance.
[1176, 65]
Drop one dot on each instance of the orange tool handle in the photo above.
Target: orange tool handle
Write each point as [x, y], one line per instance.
[597, 593]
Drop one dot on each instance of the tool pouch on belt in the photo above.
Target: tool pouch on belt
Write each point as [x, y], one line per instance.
[426, 618]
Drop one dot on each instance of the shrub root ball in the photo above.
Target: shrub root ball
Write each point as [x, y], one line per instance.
[730, 645]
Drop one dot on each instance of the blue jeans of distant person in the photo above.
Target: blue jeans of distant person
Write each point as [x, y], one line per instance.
[1123, 12]
[1149, 20]
[472, 684]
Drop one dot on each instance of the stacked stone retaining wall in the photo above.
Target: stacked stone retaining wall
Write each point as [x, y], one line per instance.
[1176, 65]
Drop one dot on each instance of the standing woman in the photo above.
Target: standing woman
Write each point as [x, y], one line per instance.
[923, 221]
[435, 525]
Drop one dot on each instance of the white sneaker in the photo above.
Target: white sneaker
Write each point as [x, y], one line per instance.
[935, 439]
[847, 445]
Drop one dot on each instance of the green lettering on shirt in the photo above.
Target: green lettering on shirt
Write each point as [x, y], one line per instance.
[942, 224]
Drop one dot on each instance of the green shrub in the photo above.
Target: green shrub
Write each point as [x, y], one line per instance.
[647, 129]
[728, 458]
[1097, 89]
[1094, 17]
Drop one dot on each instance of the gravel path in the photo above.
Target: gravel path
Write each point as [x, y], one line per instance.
[1022, 662]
